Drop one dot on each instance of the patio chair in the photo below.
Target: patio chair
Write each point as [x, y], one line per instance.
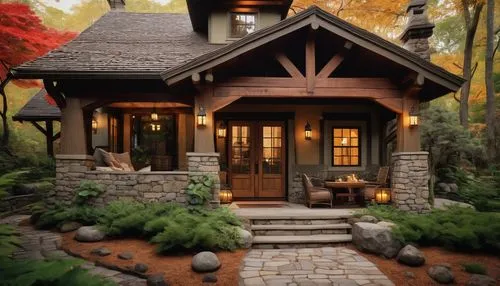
[381, 182]
[316, 195]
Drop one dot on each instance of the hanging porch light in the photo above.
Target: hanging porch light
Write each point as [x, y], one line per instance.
[221, 130]
[202, 117]
[308, 131]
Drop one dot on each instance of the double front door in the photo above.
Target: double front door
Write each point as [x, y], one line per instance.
[257, 159]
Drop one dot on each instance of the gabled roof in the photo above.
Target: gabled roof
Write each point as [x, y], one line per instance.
[38, 109]
[123, 45]
[326, 21]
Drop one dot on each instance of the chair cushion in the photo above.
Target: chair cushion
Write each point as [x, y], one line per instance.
[110, 160]
[320, 195]
[125, 159]
[98, 157]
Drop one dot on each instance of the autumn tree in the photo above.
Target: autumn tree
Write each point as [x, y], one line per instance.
[23, 37]
[490, 88]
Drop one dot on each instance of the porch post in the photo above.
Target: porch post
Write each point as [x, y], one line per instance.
[73, 138]
[204, 135]
[408, 138]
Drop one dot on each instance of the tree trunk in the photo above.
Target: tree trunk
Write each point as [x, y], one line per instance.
[4, 141]
[471, 28]
[490, 89]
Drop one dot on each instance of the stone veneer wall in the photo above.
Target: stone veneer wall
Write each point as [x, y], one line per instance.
[200, 164]
[410, 181]
[140, 186]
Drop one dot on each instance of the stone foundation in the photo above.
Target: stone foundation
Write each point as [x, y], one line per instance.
[410, 181]
[200, 164]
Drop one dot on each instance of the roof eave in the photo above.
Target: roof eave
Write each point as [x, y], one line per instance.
[21, 73]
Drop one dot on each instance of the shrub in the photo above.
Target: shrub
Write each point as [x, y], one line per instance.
[9, 240]
[475, 268]
[85, 215]
[199, 191]
[87, 190]
[457, 228]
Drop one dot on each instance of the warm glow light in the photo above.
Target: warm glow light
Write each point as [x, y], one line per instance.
[155, 127]
[382, 195]
[413, 120]
[154, 116]
[308, 131]
[225, 196]
[344, 141]
[94, 125]
[202, 117]
[221, 130]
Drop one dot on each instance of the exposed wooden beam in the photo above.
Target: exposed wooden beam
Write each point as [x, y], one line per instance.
[310, 61]
[368, 83]
[57, 136]
[394, 104]
[209, 77]
[221, 102]
[40, 128]
[332, 65]
[289, 66]
[49, 137]
[195, 78]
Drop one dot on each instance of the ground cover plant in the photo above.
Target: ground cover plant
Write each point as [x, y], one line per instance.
[457, 228]
[475, 268]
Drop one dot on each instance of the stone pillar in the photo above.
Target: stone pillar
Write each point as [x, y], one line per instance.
[410, 181]
[200, 164]
[70, 170]
[418, 29]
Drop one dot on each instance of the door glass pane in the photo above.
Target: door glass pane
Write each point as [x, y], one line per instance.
[240, 155]
[271, 149]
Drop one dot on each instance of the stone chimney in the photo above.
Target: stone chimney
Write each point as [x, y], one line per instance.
[117, 4]
[418, 29]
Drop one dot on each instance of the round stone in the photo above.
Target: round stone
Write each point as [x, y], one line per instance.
[481, 280]
[156, 280]
[141, 267]
[89, 234]
[411, 256]
[70, 226]
[205, 261]
[209, 278]
[368, 218]
[441, 274]
[246, 238]
[101, 251]
[125, 255]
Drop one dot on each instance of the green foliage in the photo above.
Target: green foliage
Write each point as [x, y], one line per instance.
[482, 192]
[457, 228]
[9, 240]
[88, 190]
[199, 191]
[475, 268]
[85, 215]
[8, 180]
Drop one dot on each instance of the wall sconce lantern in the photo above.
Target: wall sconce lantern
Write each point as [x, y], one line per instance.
[413, 117]
[221, 130]
[154, 115]
[225, 196]
[308, 131]
[155, 127]
[94, 125]
[202, 117]
[382, 195]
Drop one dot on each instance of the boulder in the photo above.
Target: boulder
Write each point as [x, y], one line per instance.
[89, 234]
[156, 280]
[205, 261]
[387, 224]
[101, 251]
[246, 238]
[481, 280]
[353, 220]
[368, 218]
[411, 256]
[70, 226]
[209, 278]
[373, 238]
[125, 255]
[441, 274]
[444, 187]
[453, 187]
[141, 268]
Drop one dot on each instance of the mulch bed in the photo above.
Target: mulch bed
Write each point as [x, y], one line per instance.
[176, 268]
[435, 255]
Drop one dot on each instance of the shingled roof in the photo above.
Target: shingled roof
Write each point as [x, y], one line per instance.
[123, 44]
[38, 109]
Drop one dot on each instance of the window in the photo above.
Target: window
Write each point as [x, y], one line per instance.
[242, 24]
[346, 147]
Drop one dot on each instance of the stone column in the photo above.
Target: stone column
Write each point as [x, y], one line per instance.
[410, 181]
[200, 164]
[70, 170]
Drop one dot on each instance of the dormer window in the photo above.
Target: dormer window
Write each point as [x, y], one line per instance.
[242, 24]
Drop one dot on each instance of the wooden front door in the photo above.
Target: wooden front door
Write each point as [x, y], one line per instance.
[257, 159]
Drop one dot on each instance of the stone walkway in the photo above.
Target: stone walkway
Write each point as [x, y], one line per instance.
[309, 266]
[41, 244]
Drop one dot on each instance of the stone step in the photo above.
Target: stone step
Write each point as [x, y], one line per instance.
[300, 229]
[298, 221]
[297, 241]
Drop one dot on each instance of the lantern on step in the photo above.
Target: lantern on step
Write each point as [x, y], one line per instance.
[413, 117]
[225, 196]
[382, 195]
[221, 130]
[202, 117]
[308, 131]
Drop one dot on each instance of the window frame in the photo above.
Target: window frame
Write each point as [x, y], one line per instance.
[352, 147]
[255, 13]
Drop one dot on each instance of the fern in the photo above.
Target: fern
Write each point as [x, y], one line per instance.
[9, 240]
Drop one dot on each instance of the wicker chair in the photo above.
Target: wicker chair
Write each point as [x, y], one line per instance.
[381, 182]
[316, 195]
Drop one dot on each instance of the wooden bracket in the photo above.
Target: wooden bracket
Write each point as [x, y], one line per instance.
[310, 61]
[287, 64]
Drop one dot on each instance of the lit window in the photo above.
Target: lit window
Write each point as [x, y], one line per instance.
[242, 24]
[346, 147]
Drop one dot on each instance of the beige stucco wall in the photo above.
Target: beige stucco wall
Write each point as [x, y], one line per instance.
[218, 24]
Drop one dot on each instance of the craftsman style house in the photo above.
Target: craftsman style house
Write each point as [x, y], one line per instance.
[238, 86]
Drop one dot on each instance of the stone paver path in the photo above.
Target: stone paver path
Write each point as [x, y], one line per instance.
[309, 266]
[41, 244]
